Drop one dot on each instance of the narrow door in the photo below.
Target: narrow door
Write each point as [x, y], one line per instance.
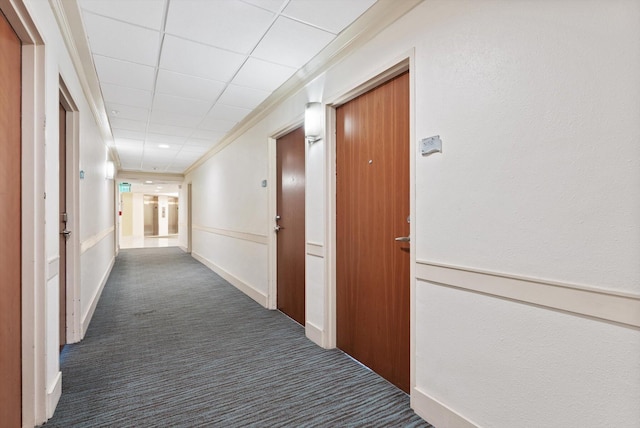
[290, 224]
[10, 227]
[372, 230]
[64, 233]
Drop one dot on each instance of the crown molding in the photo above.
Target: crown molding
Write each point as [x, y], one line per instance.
[69, 19]
[382, 14]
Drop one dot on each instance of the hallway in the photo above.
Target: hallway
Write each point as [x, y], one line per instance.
[173, 344]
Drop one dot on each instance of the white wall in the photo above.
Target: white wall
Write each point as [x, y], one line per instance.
[537, 104]
[93, 228]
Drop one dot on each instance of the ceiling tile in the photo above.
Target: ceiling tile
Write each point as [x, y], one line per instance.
[147, 13]
[127, 112]
[188, 86]
[191, 148]
[154, 140]
[219, 125]
[130, 146]
[240, 96]
[302, 43]
[158, 128]
[186, 106]
[128, 134]
[130, 125]
[230, 113]
[264, 75]
[199, 60]
[126, 96]
[272, 5]
[331, 15]
[206, 135]
[124, 73]
[113, 39]
[231, 24]
[174, 119]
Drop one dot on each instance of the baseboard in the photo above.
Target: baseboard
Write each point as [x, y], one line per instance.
[247, 289]
[437, 413]
[314, 333]
[185, 249]
[86, 319]
[53, 395]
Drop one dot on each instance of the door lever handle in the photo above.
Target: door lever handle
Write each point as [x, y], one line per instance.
[277, 228]
[66, 233]
[403, 239]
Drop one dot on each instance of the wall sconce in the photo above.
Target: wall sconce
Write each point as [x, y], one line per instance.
[313, 122]
[110, 170]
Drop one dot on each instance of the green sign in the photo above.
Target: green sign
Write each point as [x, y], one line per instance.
[125, 187]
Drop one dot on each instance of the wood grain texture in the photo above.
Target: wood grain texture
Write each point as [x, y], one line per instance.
[10, 222]
[372, 206]
[290, 194]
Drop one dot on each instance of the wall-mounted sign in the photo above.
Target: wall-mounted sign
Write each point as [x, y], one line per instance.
[125, 187]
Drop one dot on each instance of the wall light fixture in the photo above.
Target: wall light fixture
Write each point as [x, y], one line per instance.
[110, 170]
[313, 122]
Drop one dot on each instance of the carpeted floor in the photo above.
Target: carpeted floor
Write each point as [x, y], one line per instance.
[172, 344]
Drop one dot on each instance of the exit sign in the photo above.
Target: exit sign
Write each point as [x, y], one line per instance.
[125, 187]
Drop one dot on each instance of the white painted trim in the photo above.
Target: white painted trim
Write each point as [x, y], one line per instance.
[272, 207]
[381, 75]
[314, 333]
[69, 20]
[53, 267]
[382, 14]
[601, 304]
[437, 413]
[247, 289]
[54, 392]
[252, 237]
[73, 290]
[86, 318]
[315, 249]
[33, 263]
[93, 240]
[183, 248]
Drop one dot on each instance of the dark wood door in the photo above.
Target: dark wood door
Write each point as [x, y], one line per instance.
[290, 184]
[10, 228]
[372, 209]
[62, 186]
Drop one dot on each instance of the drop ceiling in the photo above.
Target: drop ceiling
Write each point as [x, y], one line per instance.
[177, 75]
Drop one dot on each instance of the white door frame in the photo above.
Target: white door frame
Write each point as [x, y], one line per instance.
[74, 333]
[405, 62]
[272, 206]
[33, 213]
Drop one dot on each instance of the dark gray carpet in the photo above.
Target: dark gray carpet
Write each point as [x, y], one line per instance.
[172, 344]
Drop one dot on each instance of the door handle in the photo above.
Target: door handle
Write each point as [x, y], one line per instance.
[66, 233]
[277, 228]
[403, 239]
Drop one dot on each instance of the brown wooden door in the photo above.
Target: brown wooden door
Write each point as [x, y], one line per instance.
[291, 234]
[372, 209]
[10, 228]
[62, 185]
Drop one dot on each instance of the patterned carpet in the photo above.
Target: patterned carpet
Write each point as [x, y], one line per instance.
[172, 344]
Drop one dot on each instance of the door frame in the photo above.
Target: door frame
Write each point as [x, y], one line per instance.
[33, 213]
[403, 63]
[74, 331]
[272, 207]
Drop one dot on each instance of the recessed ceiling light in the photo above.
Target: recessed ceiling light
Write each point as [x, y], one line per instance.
[159, 187]
[163, 146]
[149, 182]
